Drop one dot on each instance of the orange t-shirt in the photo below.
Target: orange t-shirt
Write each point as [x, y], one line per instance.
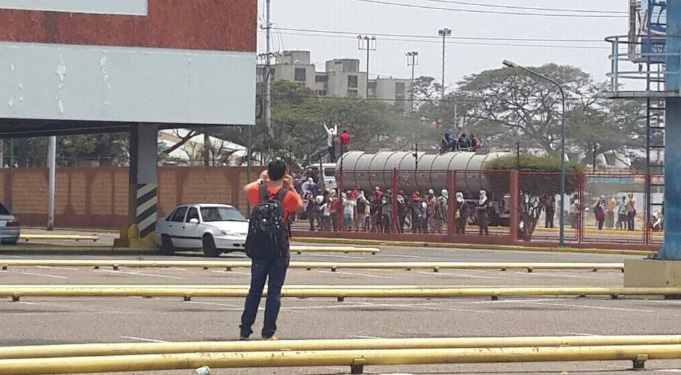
[289, 203]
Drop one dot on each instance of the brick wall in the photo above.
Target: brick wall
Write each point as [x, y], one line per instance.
[98, 197]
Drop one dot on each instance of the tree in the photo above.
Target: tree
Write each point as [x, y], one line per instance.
[508, 105]
[537, 185]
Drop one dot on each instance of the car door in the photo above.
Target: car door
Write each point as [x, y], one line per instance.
[193, 232]
[175, 227]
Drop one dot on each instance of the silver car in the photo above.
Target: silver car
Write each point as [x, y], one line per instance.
[10, 229]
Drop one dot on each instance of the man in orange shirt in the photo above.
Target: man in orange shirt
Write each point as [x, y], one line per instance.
[272, 270]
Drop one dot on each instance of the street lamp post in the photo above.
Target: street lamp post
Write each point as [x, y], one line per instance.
[561, 216]
[367, 43]
[412, 60]
[444, 33]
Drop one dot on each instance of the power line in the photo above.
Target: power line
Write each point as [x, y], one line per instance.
[416, 6]
[451, 42]
[354, 34]
[526, 8]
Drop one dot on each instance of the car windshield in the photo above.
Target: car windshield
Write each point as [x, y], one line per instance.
[212, 214]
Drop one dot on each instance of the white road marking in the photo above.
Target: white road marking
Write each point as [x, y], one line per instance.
[58, 268]
[337, 256]
[215, 304]
[424, 307]
[144, 274]
[232, 272]
[458, 275]
[402, 256]
[587, 307]
[502, 301]
[142, 339]
[43, 275]
[554, 275]
[359, 274]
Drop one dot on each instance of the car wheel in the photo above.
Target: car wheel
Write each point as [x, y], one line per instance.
[167, 247]
[209, 248]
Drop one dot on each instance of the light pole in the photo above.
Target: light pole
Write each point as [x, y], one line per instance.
[444, 33]
[561, 216]
[366, 43]
[412, 60]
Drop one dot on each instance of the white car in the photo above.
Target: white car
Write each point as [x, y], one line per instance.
[215, 228]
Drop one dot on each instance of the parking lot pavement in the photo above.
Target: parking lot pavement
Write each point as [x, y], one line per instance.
[36, 321]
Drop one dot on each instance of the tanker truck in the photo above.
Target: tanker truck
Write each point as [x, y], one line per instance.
[423, 171]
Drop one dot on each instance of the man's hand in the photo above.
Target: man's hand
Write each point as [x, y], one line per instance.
[288, 182]
[264, 175]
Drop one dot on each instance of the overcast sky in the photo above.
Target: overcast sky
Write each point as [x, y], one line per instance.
[357, 16]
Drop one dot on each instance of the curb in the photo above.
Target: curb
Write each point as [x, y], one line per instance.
[455, 246]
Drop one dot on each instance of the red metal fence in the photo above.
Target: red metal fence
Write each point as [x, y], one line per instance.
[519, 202]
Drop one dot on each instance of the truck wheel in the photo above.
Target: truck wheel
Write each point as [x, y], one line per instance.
[167, 247]
[209, 248]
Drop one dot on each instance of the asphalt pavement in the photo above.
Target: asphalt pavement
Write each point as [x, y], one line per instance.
[38, 321]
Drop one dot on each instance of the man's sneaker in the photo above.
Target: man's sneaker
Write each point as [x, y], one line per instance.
[271, 338]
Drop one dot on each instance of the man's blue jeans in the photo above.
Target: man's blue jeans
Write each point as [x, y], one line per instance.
[274, 272]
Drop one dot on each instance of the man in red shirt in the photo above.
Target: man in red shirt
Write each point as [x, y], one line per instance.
[344, 141]
[273, 271]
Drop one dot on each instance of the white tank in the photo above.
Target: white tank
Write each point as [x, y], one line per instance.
[371, 170]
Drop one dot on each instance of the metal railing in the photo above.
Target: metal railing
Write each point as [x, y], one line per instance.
[650, 54]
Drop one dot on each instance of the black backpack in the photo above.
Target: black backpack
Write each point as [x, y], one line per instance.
[267, 232]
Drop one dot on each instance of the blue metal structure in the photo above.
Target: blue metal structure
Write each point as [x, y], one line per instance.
[672, 195]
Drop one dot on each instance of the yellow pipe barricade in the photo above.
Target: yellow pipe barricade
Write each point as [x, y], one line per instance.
[90, 350]
[68, 237]
[6, 263]
[17, 291]
[154, 362]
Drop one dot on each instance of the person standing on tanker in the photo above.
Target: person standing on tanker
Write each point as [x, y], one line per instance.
[331, 141]
[270, 270]
[461, 214]
[344, 139]
[481, 209]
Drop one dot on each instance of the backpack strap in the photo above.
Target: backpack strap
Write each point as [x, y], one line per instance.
[263, 192]
[280, 194]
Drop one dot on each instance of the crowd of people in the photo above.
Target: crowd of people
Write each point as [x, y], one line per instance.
[463, 140]
[359, 211]
[608, 211]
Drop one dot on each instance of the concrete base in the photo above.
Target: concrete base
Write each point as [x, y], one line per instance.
[646, 273]
[130, 238]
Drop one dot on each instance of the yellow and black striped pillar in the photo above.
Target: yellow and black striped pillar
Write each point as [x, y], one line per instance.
[145, 209]
[143, 186]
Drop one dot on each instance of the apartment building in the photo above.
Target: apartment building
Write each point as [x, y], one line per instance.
[341, 78]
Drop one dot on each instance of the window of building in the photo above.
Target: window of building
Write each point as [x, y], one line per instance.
[400, 88]
[321, 78]
[300, 75]
[352, 82]
[352, 92]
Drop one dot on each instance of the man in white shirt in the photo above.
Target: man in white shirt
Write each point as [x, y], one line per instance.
[331, 141]
[349, 207]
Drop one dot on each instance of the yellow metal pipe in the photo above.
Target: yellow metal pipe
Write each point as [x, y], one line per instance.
[90, 350]
[17, 291]
[154, 362]
[314, 265]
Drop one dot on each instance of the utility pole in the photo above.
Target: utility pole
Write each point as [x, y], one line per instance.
[412, 60]
[367, 43]
[268, 78]
[52, 166]
[444, 33]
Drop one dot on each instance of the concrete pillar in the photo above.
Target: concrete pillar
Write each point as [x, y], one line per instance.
[143, 185]
[672, 188]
